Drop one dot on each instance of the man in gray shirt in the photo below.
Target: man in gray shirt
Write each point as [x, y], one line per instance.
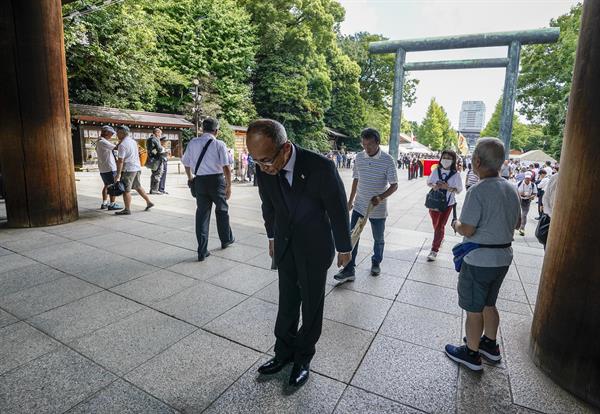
[489, 216]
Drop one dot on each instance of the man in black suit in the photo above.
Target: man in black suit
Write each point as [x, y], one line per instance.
[306, 218]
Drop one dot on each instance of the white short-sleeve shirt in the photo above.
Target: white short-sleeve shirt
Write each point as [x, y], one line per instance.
[106, 159]
[455, 181]
[215, 159]
[128, 151]
[374, 174]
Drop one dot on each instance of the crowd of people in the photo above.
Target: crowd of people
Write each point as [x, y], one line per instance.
[306, 225]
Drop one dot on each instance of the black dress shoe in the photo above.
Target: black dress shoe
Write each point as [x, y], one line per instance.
[227, 244]
[299, 375]
[272, 366]
[201, 258]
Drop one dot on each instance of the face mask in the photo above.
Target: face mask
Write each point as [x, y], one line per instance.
[446, 163]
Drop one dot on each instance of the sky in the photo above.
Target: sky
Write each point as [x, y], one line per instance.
[407, 19]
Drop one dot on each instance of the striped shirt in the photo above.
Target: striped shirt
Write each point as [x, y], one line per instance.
[472, 178]
[374, 175]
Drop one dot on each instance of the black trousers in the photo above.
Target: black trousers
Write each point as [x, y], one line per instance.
[301, 287]
[156, 176]
[211, 189]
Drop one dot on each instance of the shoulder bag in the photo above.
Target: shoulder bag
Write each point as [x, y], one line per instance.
[437, 199]
[191, 183]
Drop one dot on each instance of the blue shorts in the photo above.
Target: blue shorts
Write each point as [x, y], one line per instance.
[108, 178]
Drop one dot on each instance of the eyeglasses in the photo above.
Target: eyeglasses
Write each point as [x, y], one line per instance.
[272, 161]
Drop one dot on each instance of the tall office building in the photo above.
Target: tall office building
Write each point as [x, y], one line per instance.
[472, 118]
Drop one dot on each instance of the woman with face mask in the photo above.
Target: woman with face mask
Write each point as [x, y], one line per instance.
[445, 178]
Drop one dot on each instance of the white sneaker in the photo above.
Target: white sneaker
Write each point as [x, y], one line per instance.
[432, 256]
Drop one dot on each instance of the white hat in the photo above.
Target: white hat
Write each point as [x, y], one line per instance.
[528, 175]
[108, 128]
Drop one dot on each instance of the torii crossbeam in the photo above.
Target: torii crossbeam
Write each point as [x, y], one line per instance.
[513, 40]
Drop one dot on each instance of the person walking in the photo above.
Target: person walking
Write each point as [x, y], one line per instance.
[129, 170]
[208, 169]
[155, 161]
[375, 178]
[541, 185]
[527, 192]
[163, 178]
[488, 219]
[447, 179]
[306, 220]
[107, 165]
[471, 179]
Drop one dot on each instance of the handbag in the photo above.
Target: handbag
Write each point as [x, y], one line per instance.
[462, 249]
[116, 189]
[437, 199]
[542, 229]
[191, 183]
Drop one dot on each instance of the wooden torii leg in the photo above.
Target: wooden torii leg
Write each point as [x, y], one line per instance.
[565, 336]
[35, 144]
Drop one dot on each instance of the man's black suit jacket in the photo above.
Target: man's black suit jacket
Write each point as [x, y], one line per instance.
[316, 223]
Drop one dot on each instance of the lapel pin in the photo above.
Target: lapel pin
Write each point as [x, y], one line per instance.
[302, 176]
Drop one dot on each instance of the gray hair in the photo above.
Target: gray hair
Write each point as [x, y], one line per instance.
[124, 128]
[269, 128]
[490, 151]
[210, 125]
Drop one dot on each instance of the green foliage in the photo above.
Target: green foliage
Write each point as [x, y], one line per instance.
[545, 79]
[376, 71]
[435, 131]
[525, 137]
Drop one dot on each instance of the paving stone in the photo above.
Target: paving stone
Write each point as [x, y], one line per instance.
[422, 326]
[250, 323]
[6, 319]
[512, 290]
[43, 297]
[122, 397]
[434, 275]
[179, 238]
[40, 240]
[409, 374]
[444, 257]
[27, 276]
[529, 274]
[531, 291]
[253, 393]
[513, 307]
[245, 279]
[262, 260]
[487, 391]
[430, 296]
[194, 372]
[109, 272]
[512, 273]
[130, 342]
[340, 350]
[528, 260]
[4, 252]
[203, 270]
[200, 303]
[383, 285]
[389, 267]
[20, 343]
[356, 309]
[81, 229]
[14, 261]
[357, 401]
[239, 252]
[404, 253]
[7, 235]
[53, 382]
[530, 387]
[154, 287]
[85, 315]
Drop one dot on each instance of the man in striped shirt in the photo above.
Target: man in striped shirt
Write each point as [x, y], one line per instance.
[375, 179]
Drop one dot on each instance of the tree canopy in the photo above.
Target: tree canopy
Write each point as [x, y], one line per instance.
[435, 130]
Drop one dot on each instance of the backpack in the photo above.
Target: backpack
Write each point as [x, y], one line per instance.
[436, 199]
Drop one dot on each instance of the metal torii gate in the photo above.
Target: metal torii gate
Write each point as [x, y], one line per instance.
[513, 40]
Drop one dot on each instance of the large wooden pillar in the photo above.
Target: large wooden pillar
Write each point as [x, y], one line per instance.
[35, 142]
[565, 340]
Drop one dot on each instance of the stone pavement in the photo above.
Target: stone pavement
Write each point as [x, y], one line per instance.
[113, 314]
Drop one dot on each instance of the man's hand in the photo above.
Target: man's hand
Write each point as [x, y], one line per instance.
[227, 192]
[117, 178]
[350, 205]
[344, 259]
[271, 248]
[376, 200]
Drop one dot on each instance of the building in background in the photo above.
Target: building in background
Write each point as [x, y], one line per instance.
[471, 121]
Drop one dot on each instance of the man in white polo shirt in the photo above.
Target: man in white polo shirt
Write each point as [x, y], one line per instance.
[107, 165]
[375, 179]
[209, 173]
[129, 169]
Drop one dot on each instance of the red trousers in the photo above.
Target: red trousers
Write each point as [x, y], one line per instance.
[439, 220]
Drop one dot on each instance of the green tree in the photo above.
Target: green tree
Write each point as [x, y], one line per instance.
[524, 137]
[107, 58]
[435, 130]
[545, 79]
[376, 71]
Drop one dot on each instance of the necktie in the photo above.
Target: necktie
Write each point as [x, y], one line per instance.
[286, 189]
